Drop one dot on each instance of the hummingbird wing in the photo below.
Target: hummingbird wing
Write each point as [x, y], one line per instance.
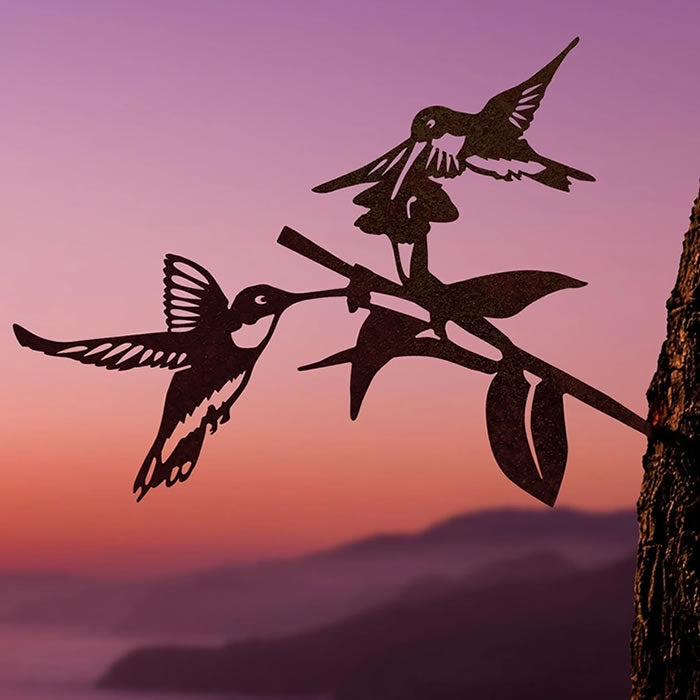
[118, 352]
[192, 297]
[509, 114]
[392, 161]
[443, 157]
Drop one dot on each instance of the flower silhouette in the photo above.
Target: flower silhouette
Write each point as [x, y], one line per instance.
[404, 215]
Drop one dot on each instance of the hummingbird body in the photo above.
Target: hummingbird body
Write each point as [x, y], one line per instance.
[211, 370]
[199, 397]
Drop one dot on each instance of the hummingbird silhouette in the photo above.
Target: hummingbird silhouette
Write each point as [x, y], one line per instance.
[444, 143]
[211, 370]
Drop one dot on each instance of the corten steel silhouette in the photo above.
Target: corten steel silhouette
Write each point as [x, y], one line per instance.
[387, 333]
[494, 134]
[212, 370]
[445, 143]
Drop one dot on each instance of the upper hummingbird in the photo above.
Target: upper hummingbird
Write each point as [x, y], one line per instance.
[211, 370]
[444, 143]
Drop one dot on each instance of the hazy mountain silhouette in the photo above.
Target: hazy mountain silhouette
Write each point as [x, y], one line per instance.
[93, 605]
[565, 635]
[286, 596]
[18, 587]
[535, 565]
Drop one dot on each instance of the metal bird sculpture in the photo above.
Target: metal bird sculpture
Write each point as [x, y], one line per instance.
[444, 143]
[525, 401]
[211, 370]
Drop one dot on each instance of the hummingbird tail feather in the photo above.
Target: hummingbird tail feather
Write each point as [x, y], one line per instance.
[176, 467]
[179, 465]
[557, 175]
[146, 477]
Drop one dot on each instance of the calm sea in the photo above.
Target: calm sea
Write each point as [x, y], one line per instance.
[47, 664]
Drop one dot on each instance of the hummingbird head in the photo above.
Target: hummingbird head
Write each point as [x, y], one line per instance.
[254, 303]
[261, 300]
[431, 123]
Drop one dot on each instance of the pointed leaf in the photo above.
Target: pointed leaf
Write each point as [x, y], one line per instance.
[505, 422]
[337, 358]
[361, 376]
[504, 294]
[386, 330]
[383, 336]
[549, 438]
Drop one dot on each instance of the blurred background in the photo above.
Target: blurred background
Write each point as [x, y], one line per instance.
[135, 129]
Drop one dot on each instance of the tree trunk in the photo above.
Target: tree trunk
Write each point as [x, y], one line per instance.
[666, 632]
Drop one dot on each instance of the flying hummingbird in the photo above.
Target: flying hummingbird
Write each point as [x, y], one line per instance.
[211, 370]
[444, 143]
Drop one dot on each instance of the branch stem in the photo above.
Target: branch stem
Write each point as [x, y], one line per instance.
[481, 328]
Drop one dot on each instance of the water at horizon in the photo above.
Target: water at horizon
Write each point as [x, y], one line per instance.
[39, 663]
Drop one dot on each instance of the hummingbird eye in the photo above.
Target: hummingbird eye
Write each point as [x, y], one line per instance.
[260, 299]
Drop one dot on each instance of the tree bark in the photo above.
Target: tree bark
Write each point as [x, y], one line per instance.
[666, 633]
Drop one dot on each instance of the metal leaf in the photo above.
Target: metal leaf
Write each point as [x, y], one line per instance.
[549, 438]
[504, 294]
[505, 421]
[384, 335]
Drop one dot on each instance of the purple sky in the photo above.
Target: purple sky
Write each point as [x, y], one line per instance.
[133, 129]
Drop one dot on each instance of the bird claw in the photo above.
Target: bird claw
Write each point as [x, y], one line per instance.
[358, 290]
[357, 302]
[212, 419]
[439, 325]
[216, 417]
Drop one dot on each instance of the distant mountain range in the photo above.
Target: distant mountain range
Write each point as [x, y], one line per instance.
[531, 628]
[286, 596]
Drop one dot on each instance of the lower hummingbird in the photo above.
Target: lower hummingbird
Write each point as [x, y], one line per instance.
[211, 370]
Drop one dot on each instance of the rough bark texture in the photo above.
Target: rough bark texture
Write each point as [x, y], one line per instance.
[666, 632]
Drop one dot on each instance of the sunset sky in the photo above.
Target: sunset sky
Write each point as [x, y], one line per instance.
[133, 129]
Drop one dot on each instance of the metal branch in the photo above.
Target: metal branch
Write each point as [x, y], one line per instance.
[481, 328]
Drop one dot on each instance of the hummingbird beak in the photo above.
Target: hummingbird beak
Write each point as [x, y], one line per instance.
[305, 296]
